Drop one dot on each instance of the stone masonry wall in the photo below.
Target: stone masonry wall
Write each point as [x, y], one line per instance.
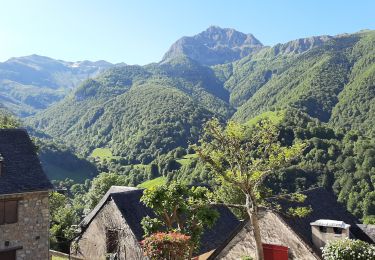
[91, 245]
[273, 231]
[31, 232]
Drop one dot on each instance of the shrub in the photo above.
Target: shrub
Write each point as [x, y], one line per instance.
[348, 249]
[369, 220]
[167, 246]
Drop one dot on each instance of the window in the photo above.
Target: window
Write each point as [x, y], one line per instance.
[8, 255]
[112, 241]
[8, 211]
[337, 230]
[323, 229]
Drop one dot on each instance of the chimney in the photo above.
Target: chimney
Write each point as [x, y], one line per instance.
[325, 230]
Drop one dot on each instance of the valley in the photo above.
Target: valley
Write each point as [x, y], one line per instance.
[138, 121]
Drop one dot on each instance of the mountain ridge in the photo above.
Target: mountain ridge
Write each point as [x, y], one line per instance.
[309, 78]
[31, 83]
[214, 46]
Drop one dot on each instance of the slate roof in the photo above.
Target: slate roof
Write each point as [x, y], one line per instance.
[324, 205]
[369, 230]
[22, 171]
[127, 199]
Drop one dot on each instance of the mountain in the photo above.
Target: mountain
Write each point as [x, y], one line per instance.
[333, 82]
[320, 90]
[138, 112]
[32, 83]
[215, 46]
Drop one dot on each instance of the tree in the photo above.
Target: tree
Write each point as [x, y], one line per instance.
[154, 171]
[63, 217]
[101, 184]
[179, 207]
[8, 121]
[244, 156]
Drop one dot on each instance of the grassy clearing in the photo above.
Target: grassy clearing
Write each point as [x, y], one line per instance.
[152, 183]
[275, 116]
[102, 153]
[187, 159]
[57, 173]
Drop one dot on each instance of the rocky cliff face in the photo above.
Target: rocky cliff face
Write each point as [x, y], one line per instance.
[301, 45]
[215, 46]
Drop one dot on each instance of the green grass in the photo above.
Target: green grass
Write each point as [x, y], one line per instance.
[187, 159]
[102, 153]
[152, 183]
[57, 173]
[275, 116]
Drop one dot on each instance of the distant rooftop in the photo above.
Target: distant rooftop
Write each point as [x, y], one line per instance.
[330, 223]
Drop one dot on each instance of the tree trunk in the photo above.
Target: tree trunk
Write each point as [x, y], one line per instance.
[191, 250]
[252, 211]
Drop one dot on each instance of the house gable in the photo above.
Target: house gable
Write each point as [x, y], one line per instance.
[93, 242]
[274, 231]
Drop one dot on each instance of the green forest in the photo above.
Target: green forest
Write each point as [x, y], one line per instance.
[147, 116]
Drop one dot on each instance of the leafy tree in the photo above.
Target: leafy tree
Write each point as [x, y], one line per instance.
[154, 171]
[101, 184]
[244, 156]
[179, 207]
[8, 121]
[63, 217]
[369, 220]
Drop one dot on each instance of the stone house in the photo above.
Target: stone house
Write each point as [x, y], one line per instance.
[24, 211]
[113, 229]
[302, 237]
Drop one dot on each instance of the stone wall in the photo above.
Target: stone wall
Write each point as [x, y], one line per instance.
[92, 242]
[273, 231]
[320, 239]
[31, 232]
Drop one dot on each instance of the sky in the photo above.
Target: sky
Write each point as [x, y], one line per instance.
[140, 32]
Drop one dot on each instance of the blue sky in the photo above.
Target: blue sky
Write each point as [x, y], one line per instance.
[139, 32]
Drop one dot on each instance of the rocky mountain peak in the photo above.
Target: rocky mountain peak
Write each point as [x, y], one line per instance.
[215, 45]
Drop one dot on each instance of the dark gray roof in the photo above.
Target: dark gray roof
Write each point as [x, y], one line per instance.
[324, 205]
[369, 230]
[127, 199]
[22, 171]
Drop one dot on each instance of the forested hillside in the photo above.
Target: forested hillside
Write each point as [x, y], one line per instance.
[333, 82]
[143, 118]
[138, 112]
[32, 83]
[58, 161]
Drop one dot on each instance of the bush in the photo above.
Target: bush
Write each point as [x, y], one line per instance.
[369, 220]
[168, 246]
[348, 249]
